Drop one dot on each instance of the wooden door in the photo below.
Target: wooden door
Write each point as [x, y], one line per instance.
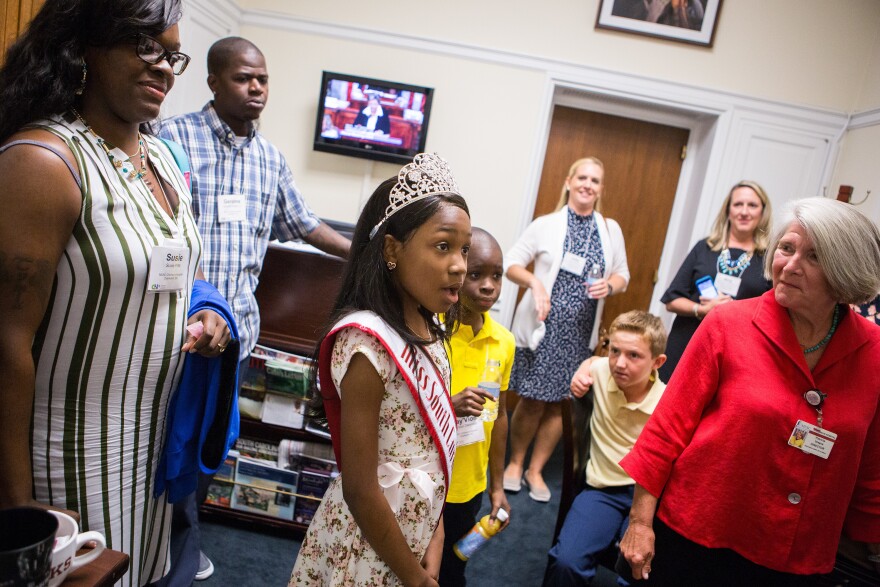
[642, 165]
[15, 15]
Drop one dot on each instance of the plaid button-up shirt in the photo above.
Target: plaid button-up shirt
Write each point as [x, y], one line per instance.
[233, 252]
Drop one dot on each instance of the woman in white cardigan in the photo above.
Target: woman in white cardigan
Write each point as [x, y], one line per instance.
[556, 324]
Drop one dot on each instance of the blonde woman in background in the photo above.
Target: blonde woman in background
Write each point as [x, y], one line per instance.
[732, 256]
[556, 324]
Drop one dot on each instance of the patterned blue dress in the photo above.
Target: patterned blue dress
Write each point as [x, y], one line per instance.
[545, 373]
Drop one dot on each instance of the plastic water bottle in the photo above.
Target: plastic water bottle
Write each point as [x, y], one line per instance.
[594, 275]
[490, 381]
[479, 535]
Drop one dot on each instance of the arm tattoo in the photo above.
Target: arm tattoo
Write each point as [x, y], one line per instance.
[25, 276]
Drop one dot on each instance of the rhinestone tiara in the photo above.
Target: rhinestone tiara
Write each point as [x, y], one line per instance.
[427, 175]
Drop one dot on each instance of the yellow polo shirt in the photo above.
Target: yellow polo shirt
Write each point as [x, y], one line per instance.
[468, 356]
[615, 425]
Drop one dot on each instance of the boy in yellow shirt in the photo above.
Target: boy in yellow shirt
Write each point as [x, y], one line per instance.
[482, 445]
[626, 389]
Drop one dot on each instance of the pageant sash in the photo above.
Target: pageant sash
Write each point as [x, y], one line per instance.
[419, 372]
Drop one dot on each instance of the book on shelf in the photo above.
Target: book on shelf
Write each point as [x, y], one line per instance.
[290, 452]
[318, 428]
[305, 509]
[221, 486]
[264, 489]
[310, 464]
[278, 355]
[277, 372]
[283, 377]
[283, 410]
[256, 449]
[313, 484]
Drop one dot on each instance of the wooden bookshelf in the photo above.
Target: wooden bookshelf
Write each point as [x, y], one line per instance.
[296, 293]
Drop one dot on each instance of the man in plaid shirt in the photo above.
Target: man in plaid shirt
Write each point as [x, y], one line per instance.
[243, 196]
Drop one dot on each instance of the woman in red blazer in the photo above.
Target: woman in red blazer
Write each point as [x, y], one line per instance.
[766, 444]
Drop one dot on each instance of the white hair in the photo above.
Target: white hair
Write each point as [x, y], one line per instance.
[847, 246]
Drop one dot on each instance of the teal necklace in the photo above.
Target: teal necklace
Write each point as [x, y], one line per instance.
[124, 165]
[734, 268]
[828, 336]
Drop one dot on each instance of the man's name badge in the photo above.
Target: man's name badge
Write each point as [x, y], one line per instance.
[169, 266]
[574, 264]
[812, 440]
[727, 284]
[231, 208]
[470, 431]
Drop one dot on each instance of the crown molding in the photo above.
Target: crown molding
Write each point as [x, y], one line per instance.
[221, 15]
[585, 78]
[864, 119]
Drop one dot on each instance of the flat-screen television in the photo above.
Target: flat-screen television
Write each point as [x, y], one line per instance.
[371, 118]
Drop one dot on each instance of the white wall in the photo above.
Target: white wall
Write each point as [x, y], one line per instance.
[797, 51]
[858, 166]
[787, 69]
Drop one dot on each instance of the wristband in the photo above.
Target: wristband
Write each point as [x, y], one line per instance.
[696, 311]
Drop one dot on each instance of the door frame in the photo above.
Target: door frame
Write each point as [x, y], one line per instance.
[707, 126]
[718, 138]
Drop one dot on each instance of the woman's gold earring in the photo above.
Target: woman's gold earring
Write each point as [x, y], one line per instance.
[82, 83]
[391, 265]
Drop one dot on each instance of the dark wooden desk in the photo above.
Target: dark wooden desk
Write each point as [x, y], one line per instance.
[104, 571]
[296, 294]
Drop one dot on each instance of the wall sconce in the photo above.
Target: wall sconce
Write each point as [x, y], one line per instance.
[845, 192]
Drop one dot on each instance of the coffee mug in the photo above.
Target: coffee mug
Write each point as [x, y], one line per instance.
[68, 540]
[26, 537]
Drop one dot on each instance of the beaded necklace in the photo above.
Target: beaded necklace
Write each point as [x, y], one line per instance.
[734, 268]
[828, 336]
[120, 164]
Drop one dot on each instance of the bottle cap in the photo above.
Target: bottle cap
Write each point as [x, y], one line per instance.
[502, 515]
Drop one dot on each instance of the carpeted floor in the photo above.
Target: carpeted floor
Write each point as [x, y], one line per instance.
[245, 557]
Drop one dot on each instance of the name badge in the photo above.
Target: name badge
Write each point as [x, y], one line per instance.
[169, 264]
[728, 284]
[231, 208]
[574, 264]
[470, 431]
[812, 440]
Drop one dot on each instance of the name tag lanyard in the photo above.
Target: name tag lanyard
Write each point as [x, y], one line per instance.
[816, 398]
[589, 237]
[169, 260]
[813, 439]
[572, 262]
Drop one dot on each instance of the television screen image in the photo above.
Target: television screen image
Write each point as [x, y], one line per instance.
[374, 119]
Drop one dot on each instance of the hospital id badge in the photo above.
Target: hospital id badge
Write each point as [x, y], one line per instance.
[812, 439]
[231, 208]
[169, 265]
[574, 264]
[728, 284]
[470, 431]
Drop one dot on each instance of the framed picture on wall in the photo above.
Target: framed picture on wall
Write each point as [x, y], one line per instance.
[687, 21]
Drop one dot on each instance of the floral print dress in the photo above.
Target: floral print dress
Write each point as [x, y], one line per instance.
[544, 374]
[334, 551]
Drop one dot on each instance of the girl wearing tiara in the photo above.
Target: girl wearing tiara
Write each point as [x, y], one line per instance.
[384, 379]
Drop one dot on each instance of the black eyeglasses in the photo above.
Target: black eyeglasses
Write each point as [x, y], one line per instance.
[152, 51]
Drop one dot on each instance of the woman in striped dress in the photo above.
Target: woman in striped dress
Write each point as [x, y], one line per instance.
[98, 254]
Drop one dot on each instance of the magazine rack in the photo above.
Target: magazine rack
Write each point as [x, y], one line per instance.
[296, 293]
